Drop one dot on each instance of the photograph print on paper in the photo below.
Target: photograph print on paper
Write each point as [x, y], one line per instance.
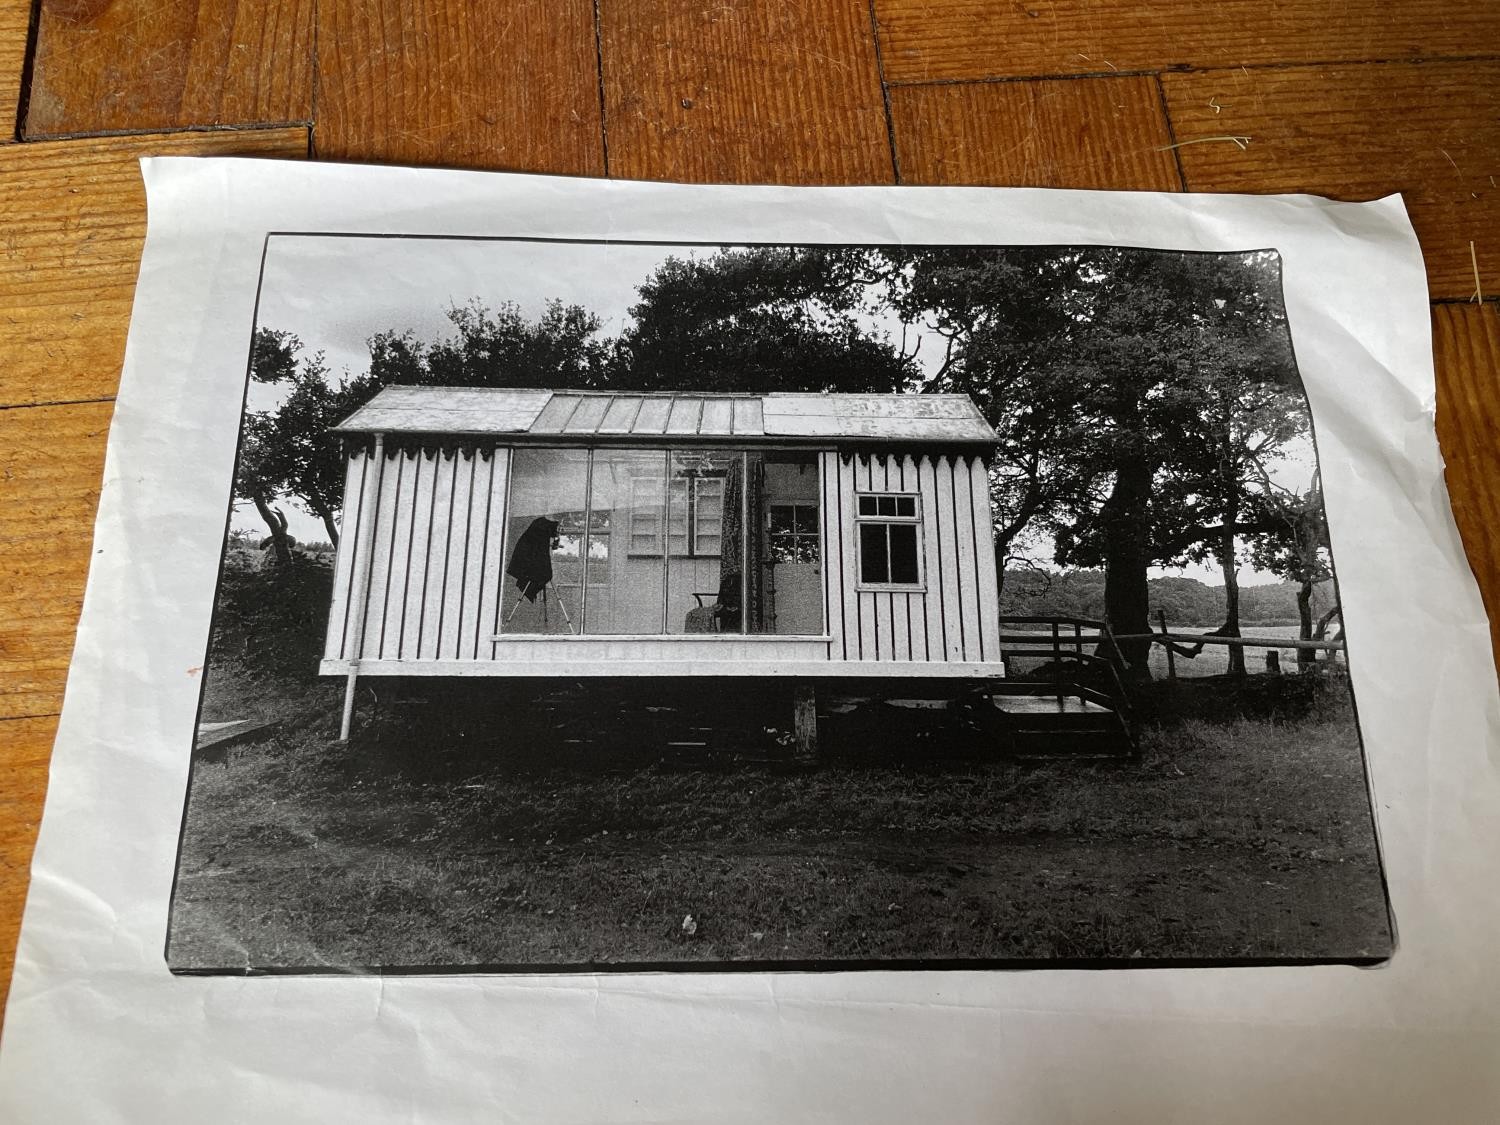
[634, 605]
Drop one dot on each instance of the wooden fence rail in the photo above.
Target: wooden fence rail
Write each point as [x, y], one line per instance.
[1250, 642]
[1057, 640]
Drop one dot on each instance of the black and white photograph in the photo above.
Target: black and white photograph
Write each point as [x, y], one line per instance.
[619, 605]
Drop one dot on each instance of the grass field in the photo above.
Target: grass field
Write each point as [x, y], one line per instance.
[1246, 840]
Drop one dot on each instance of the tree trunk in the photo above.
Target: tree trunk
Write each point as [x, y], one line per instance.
[1231, 594]
[1127, 554]
[1305, 656]
[329, 523]
[276, 521]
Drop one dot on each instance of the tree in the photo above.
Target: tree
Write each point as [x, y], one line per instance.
[289, 451]
[273, 359]
[257, 482]
[1190, 390]
[1295, 546]
[760, 319]
[500, 347]
[1248, 410]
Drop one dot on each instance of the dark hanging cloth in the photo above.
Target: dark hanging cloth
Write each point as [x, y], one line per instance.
[732, 571]
[531, 561]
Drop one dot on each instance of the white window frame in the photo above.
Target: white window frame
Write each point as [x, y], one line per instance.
[914, 520]
[689, 492]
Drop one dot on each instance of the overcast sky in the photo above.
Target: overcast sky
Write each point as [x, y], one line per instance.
[335, 293]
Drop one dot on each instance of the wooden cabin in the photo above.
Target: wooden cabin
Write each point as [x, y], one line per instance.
[511, 532]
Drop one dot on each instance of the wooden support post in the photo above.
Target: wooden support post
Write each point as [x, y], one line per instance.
[348, 720]
[1273, 662]
[805, 723]
[359, 603]
[1161, 616]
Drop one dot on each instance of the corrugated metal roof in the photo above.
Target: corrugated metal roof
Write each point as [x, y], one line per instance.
[603, 414]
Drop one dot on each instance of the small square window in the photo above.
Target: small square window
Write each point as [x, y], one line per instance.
[889, 544]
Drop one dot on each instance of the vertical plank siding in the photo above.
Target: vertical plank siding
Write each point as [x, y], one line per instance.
[435, 570]
[343, 564]
[420, 498]
[955, 616]
[437, 566]
[987, 584]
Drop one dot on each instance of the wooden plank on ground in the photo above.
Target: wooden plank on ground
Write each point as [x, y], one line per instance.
[753, 92]
[1430, 131]
[75, 214]
[510, 84]
[1466, 343]
[922, 40]
[152, 65]
[25, 748]
[51, 458]
[1082, 133]
[15, 22]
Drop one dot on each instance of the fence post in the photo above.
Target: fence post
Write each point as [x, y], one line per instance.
[1273, 662]
[1161, 616]
[1057, 671]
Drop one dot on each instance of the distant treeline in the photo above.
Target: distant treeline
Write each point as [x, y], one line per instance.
[1186, 601]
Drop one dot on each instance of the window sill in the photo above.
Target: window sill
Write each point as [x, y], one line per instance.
[716, 637]
[890, 588]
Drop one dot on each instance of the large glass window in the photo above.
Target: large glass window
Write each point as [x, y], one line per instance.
[627, 561]
[544, 534]
[705, 560]
[651, 542]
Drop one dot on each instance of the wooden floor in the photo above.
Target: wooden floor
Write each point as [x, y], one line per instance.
[1349, 98]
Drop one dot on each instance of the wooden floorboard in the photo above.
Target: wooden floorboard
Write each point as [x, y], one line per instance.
[150, 65]
[1466, 347]
[744, 93]
[51, 458]
[75, 216]
[15, 22]
[25, 748]
[1085, 133]
[923, 40]
[1428, 130]
[505, 84]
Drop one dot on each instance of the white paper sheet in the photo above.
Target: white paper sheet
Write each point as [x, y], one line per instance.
[97, 1029]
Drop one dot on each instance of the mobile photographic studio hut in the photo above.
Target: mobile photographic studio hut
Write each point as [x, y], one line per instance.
[577, 534]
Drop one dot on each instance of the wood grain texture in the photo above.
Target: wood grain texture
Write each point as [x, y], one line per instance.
[509, 84]
[1430, 131]
[25, 748]
[1466, 347]
[51, 458]
[924, 40]
[15, 22]
[148, 65]
[1083, 133]
[750, 91]
[75, 217]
